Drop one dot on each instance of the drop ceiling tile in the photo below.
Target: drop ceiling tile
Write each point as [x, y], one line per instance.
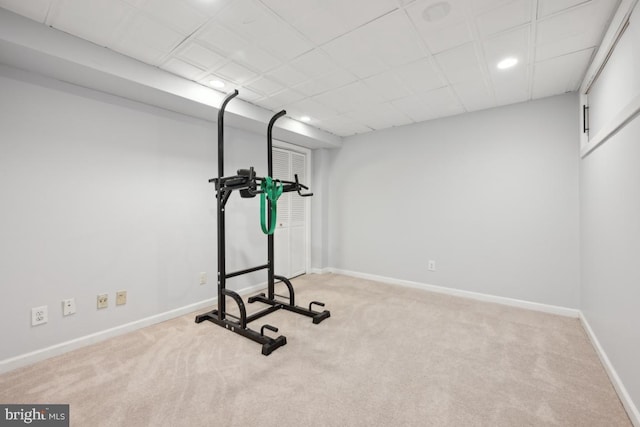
[350, 98]
[568, 45]
[256, 22]
[480, 6]
[474, 94]
[32, 9]
[265, 86]
[418, 11]
[142, 53]
[377, 46]
[208, 7]
[288, 76]
[136, 3]
[200, 56]
[336, 79]
[221, 39]
[248, 18]
[228, 87]
[182, 69]
[561, 74]
[176, 14]
[380, 116]
[430, 105]
[284, 43]
[256, 59]
[356, 55]
[448, 38]
[460, 64]
[420, 76]
[235, 73]
[502, 18]
[576, 22]
[511, 86]
[249, 95]
[144, 32]
[97, 21]
[343, 126]
[394, 39]
[389, 85]
[281, 99]
[549, 7]
[314, 64]
[311, 108]
[322, 21]
[513, 43]
[446, 33]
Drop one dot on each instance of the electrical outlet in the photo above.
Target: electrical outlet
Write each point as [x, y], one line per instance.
[432, 265]
[68, 306]
[103, 301]
[121, 297]
[203, 278]
[39, 315]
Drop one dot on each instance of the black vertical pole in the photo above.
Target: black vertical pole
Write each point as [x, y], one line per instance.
[222, 271]
[270, 242]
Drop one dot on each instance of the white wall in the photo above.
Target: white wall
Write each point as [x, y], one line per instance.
[610, 222]
[101, 194]
[610, 207]
[491, 196]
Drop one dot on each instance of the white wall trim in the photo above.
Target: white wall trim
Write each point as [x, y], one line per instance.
[546, 308]
[623, 394]
[320, 270]
[616, 26]
[12, 363]
[624, 117]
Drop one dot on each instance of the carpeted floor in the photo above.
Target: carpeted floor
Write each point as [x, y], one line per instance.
[388, 356]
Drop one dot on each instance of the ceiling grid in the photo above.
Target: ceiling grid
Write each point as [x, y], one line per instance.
[351, 66]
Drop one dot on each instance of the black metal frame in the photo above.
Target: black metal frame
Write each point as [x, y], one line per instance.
[247, 183]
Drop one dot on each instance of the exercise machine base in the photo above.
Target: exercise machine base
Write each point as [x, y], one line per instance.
[315, 315]
[269, 345]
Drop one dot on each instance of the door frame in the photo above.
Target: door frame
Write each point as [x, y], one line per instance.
[307, 220]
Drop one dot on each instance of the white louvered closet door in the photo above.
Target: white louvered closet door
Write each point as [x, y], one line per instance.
[290, 235]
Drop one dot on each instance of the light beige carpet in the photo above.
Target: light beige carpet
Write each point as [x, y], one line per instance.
[388, 356]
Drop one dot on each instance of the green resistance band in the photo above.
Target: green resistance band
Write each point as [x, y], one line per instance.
[272, 190]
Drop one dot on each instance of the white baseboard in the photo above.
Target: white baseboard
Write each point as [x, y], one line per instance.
[546, 308]
[57, 349]
[623, 394]
[320, 270]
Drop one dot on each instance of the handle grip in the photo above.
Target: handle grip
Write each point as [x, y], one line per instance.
[321, 304]
[269, 327]
[299, 187]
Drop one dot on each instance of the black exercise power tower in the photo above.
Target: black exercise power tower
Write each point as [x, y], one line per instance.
[249, 185]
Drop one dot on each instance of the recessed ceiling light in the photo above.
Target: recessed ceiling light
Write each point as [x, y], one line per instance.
[305, 118]
[436, 11]
[216, 83]
[507, 63]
